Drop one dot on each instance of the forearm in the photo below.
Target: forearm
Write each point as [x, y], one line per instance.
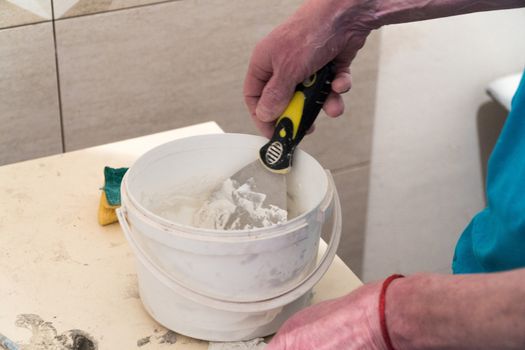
[485, 311]
[357, 15]
[400, 11]
[353, 14]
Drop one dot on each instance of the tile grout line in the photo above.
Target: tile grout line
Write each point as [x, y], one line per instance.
[25, 24]
[60, 113]
[115, 10]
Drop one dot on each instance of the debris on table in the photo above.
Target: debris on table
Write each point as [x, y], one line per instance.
[44, 336]
[255, 344]
[168, 337]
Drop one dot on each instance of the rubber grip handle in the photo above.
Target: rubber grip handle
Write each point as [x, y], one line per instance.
[315, 89]
[298, 117]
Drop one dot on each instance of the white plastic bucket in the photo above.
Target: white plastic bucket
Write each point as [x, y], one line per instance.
[244, 265]
[224, 285]
[199, 316]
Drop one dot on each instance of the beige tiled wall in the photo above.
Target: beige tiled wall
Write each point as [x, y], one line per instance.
[29, 110]
[129, 68]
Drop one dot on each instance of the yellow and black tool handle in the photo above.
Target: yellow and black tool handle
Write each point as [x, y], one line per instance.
[297, 118]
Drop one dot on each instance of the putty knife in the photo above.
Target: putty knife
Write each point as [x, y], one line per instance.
[276, 156]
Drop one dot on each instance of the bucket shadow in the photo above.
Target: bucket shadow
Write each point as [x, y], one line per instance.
[353, 187]
[491, 117]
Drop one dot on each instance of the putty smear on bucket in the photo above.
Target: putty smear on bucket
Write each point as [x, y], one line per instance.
[235, 206]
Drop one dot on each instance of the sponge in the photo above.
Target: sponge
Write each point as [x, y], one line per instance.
[110, 197]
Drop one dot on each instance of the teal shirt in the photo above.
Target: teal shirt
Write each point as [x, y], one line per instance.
[495, 239]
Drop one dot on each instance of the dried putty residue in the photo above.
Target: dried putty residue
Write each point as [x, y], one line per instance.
[169, 337]
[237, 207]
[255, 344]
[44, 336]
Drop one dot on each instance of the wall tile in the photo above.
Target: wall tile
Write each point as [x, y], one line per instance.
[143, 70]
[19, 12]
[352, 186]
[70, 8]
[29, 113]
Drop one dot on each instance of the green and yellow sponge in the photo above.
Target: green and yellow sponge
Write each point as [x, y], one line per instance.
[110, 198]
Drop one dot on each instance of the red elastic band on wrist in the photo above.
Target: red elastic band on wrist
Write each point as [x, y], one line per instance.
[382, 310]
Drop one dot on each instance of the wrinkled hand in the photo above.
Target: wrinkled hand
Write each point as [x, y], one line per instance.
[349, 323]
[319, 32]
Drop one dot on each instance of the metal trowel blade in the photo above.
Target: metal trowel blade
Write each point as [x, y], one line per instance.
[271, 184]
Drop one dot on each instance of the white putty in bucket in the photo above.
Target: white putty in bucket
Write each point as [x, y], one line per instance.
[226, 206]
[236, 207]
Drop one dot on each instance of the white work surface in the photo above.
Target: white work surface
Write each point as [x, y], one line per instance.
[56, 262]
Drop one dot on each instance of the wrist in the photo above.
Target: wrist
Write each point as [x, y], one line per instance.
[400, 326]
[382, 310]
[415, 313]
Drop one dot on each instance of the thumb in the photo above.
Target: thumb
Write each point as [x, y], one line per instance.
[275, 97]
